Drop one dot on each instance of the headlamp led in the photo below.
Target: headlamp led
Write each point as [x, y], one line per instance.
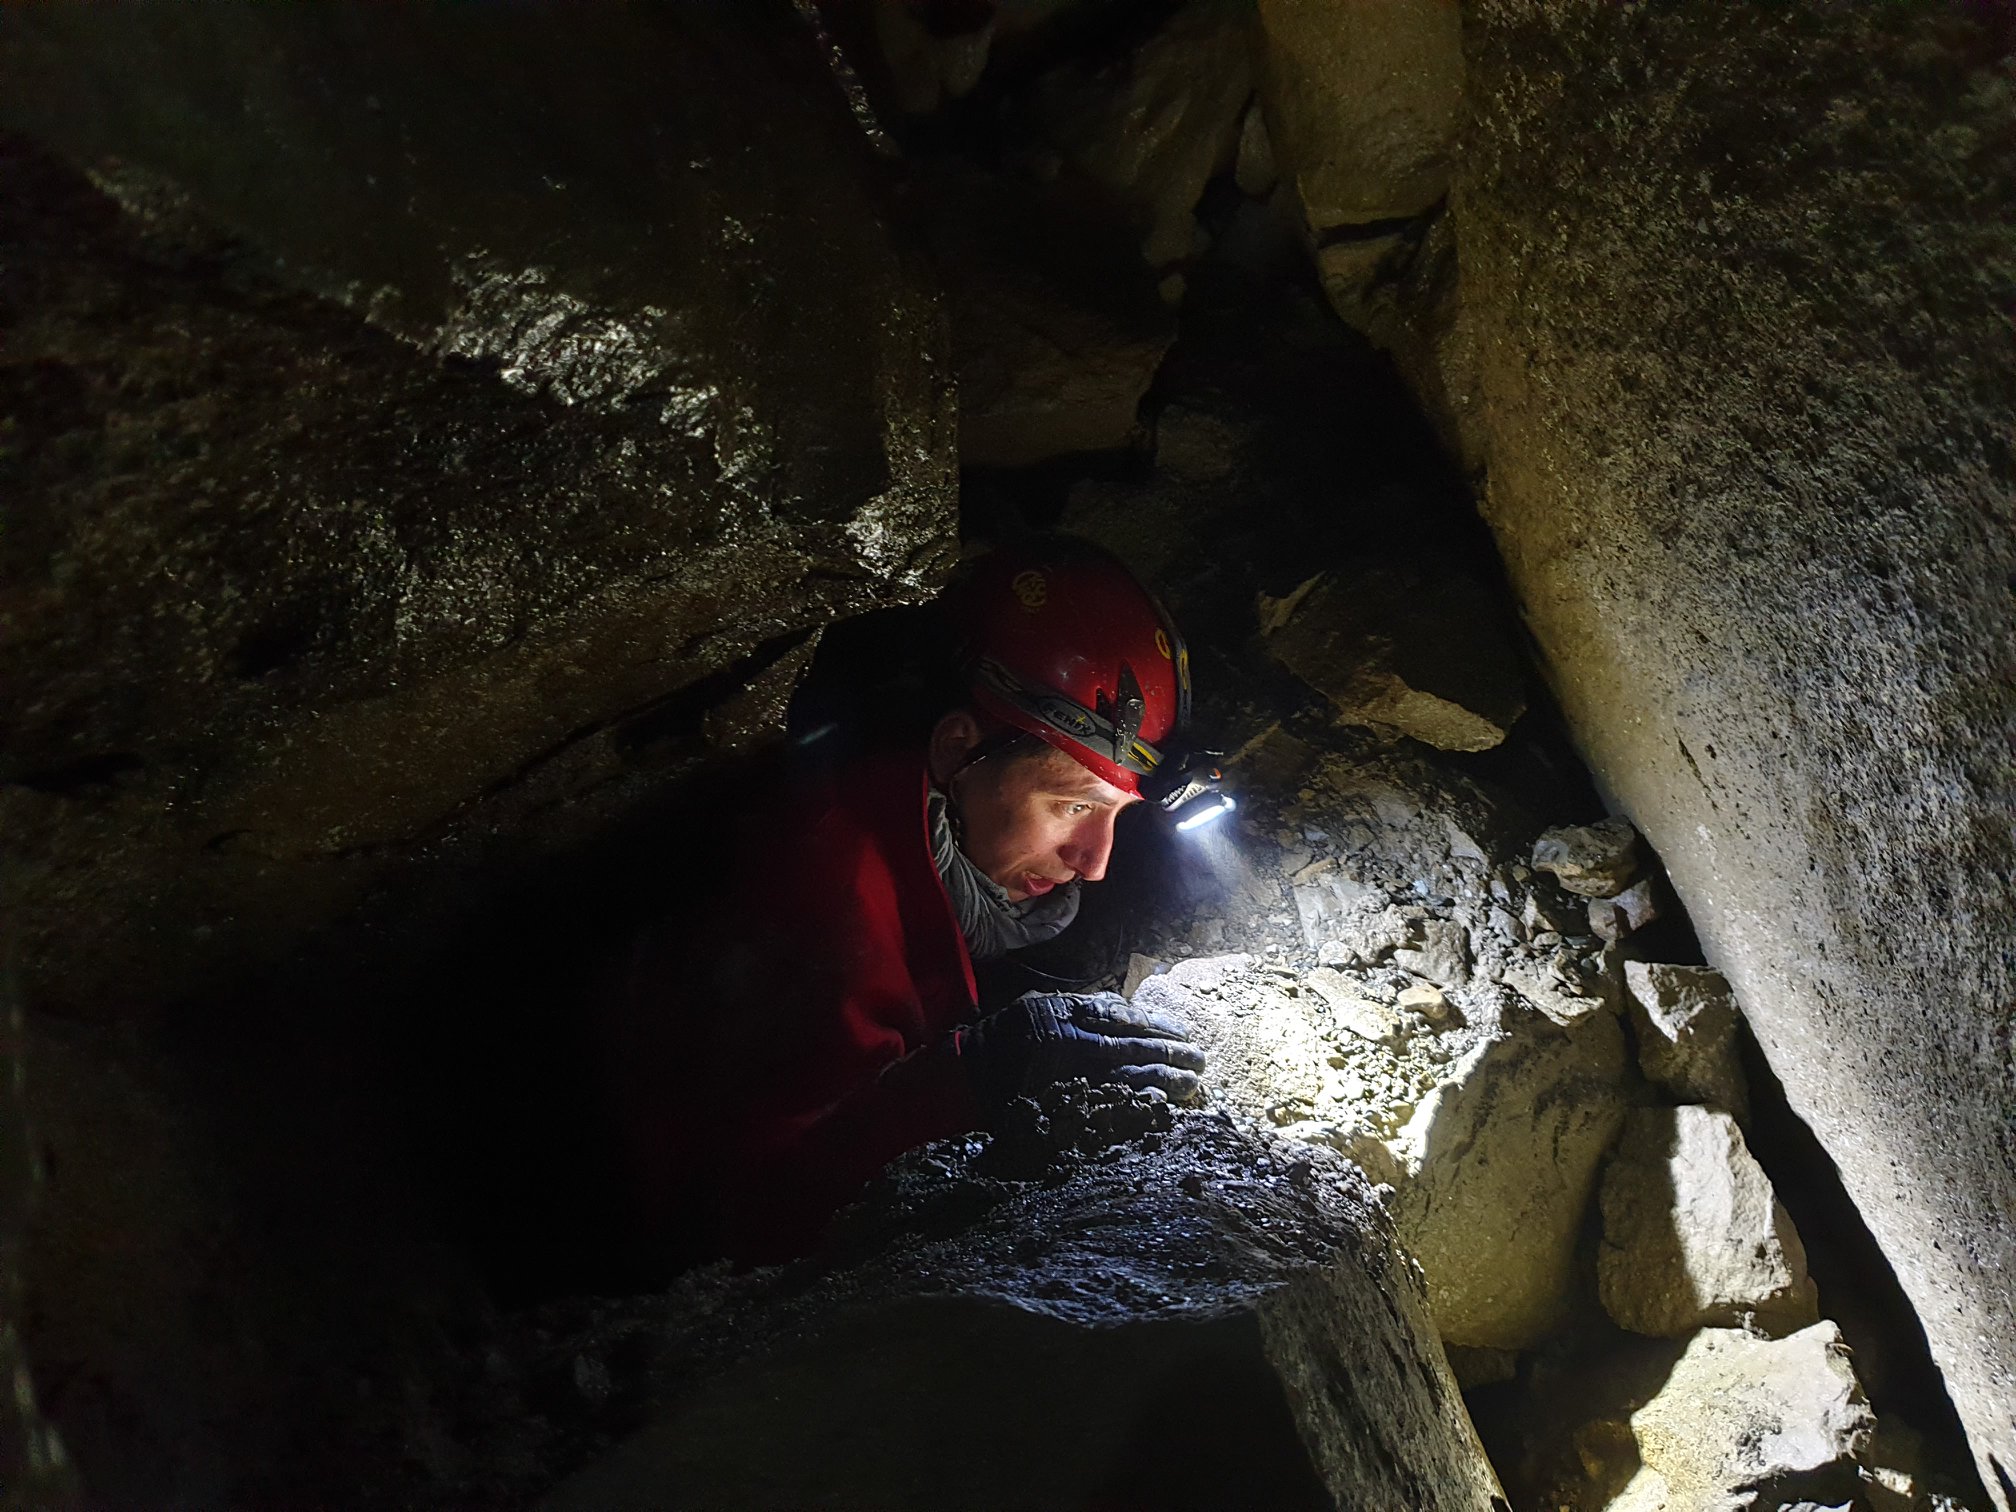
[1187, 787]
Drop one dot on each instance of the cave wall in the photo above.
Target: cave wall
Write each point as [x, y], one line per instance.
[427, 431]
[1741, 280]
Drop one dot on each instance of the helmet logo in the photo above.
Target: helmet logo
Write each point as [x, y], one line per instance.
[1032, 588]
[1162, 644]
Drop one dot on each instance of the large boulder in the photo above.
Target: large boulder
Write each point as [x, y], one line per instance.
[1750, 446]
[1102, 1306]
[1749, 1423]
[1501, 1162]
[589, 430]
[1693, 1235]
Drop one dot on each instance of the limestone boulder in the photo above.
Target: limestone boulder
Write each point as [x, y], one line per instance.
[1501, 1160]
[1394, 648]
[1687, 1025]
[1363, 104]
[1693, 1234]
[1173, 1312]
[413, 480]
[1750, 449]
[1744, 1423]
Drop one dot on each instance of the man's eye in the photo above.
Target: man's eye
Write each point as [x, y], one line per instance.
[1073, 810]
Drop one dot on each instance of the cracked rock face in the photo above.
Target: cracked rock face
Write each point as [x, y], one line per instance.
[584, 438]
[1106, 1303]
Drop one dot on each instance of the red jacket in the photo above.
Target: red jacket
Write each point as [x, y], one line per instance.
[761, 1066]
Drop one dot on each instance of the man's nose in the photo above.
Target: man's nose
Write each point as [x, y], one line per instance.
[1091, 846]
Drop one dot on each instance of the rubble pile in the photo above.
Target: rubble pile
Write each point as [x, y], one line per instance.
[1384, 959]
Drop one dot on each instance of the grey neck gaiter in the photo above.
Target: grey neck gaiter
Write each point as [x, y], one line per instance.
[992, 923]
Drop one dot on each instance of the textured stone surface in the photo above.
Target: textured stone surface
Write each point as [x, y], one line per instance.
[1098, 1308]
[1394, 648]
[1693, 1234]
[1595, 860]
[301, 596]
[1744, 1422]
[1501, 1161]
[1741, 278]
[1362, 103]
[1686, 1023]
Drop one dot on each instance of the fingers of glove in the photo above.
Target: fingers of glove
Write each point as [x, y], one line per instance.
[1124, 1018]
[1175, 1084]
[1101, 1050]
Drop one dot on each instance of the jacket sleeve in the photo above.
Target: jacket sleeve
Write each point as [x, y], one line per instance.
[822, 1051]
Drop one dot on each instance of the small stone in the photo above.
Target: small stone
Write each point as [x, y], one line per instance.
[1595, 860]
[1610, 919]
[1693, 1235]
[1738, 1412]
[1139, 969]
[1427, 1000]
[1443, 955]
[1687, 1025]
[1351, 1009]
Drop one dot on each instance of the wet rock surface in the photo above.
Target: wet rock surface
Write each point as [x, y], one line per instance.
[306, 596]
[1177, 1312]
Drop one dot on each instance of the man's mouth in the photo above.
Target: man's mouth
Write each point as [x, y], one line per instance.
[1036, 886]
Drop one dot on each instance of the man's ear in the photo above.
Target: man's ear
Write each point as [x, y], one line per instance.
[952, 741]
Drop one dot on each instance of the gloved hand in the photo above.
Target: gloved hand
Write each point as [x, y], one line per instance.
[1047, 1037]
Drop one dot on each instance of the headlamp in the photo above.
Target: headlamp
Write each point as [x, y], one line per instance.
[1188, 789]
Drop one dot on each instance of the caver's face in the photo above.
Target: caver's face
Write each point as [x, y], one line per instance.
[1032, 821]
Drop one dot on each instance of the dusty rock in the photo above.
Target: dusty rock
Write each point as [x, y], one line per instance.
[1502, 1159]
[1693, 1234]
[1442, 954]
[1432, 1003]
[1152, 127]
[1362, 103]
[1596, 860]
[1757, 509]
[974, 1307]
[1745, 1422]
[1360, 1015]
[579, 441]
[1686, 1021]
[1393, 649]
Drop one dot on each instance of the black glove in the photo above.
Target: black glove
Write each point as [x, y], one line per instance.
[1050, 1037]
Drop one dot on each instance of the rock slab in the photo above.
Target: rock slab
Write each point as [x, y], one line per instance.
[1693, 1235]
[1757, 511]
[1168, 1312]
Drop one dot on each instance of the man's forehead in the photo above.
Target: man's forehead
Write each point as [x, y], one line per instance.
[1063, 774]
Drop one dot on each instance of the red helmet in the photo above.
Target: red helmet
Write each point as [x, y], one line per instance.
[1063, 642]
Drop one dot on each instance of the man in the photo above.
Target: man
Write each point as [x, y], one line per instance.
[840, 1024]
